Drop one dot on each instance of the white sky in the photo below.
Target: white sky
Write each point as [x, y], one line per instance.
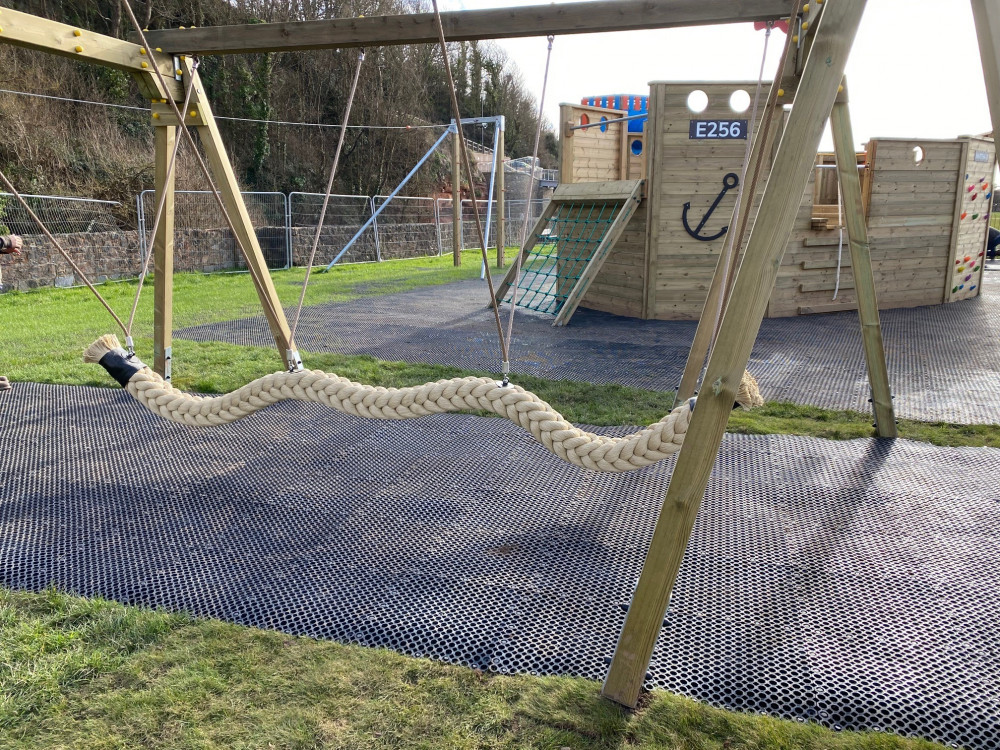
[914, 69]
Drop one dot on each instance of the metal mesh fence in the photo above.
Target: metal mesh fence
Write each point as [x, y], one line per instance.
[345, 215]
[60, 215]
[514, 218]
[407, 227]
[202, 238]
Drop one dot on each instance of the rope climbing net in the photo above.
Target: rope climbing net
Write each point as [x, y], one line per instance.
[562, 249]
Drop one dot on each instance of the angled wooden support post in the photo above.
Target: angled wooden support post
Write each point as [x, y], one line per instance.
[792, 165]
[200, 115]
[986, 14]
[163, 253]
[716, 300]
[861, 267]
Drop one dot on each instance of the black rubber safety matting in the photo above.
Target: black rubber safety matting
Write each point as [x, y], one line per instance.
[944, 360]
[851, 583]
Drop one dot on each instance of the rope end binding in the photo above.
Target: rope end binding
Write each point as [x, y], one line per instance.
[108, 353]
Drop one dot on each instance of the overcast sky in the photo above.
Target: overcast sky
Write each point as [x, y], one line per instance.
[914, 69]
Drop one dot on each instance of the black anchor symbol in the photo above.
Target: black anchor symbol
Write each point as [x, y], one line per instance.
[730, 181]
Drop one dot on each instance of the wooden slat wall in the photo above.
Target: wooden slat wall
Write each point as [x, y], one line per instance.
[590, 155]
[680, 170]
[973, 208]
[636, 162]
[619, 286]
[910, 216]
[587, 156]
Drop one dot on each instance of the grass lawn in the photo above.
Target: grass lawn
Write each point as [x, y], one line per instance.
[85, 673]
[92, 674]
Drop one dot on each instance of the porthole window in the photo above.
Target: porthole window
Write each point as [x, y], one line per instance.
[739, 101]
[697, 100]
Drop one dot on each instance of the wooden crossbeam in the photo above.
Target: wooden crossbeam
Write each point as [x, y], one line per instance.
[31, 32]
[466, 25]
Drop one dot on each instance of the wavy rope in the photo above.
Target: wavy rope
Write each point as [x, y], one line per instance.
[584, 449]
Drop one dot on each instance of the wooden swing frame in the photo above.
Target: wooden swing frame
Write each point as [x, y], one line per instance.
[824, 41]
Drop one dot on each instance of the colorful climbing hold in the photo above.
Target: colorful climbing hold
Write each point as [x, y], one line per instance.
[961, 268]
[973, 196]
[967, 258]
[968, 278]
[964, 214]
[975, 216]
[970, 188]
[954, 289]
[972, 287]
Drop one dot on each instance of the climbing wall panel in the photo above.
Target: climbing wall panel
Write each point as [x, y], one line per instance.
[973, 208]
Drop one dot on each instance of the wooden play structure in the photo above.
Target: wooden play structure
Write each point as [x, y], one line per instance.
[925, 204]
[779, 242]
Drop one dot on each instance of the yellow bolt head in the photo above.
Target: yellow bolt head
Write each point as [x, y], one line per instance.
[182, 27]
[184, 57]
[193, 113]
[156, 115]
[76, 32]
[179, 72]
[805, 8]
[805, 25]
[781, 92]
[795, 38]
[163, 101]
[142, 50]
[840, 89]
[145, 64]
[78, 48]
[158, 49]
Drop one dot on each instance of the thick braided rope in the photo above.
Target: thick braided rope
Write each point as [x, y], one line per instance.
[585, 449]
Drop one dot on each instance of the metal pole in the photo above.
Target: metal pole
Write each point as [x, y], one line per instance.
[608, 122]
[489, 197]
[391, 196]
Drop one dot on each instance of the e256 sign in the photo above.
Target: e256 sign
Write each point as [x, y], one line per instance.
[714, 130]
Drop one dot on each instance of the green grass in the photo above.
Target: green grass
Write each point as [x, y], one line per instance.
[46, 330]
[98, 675]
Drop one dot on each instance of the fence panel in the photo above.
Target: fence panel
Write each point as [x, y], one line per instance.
[514, 211]
[202, 238]
[95, 234]
[60, 215]
[345, 215]
[407, 227]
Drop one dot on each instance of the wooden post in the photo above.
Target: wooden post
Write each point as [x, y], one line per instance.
[986, 14]
[456, 199]
[861, 267]
[163, 254]
[740, 324]
[232, 198]
[501, 208]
